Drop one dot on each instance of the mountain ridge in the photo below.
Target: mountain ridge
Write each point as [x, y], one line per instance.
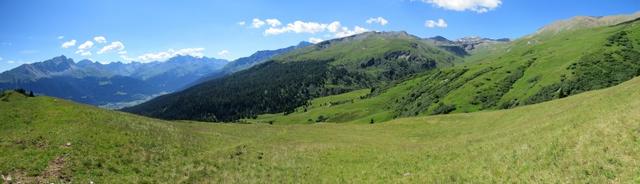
[110, 83]
[247, 62]
[581, 22]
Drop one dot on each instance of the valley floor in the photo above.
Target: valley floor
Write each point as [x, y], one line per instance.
[593, 137]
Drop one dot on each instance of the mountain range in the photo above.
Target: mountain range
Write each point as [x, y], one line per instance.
[116, 85]
[108, 84]
[464, 46]
[480, 74]
[557, 106]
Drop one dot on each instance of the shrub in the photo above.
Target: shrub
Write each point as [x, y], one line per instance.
[443, 109]
[321, 118]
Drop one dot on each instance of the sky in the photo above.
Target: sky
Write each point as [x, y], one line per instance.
[155, 30]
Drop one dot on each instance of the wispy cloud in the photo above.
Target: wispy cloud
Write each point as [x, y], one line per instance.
[83, 52]
[479, 6]
[119, 46]
[68, 44]
[84, 48]
[273, 22]
[298, 27]
[377, 20]
[257, 23]
[315, 40]
[224, 53]
[348, 32]
[86, 45]
[440, 23]
[100, 39]
[164, 55]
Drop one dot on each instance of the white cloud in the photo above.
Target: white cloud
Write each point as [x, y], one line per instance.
[298, 27]
[257, 23]
[359, 30]
[68, 44]
[273, 22]
[275, 31]
[126, 57]
[11, 61]
[479, 6]
[334, 26]
[100, 39]
[83, 49]
[306, 27]
[440, 23]
[113, 46]
[122, 52]
[0, 58]
[223, 53]
[161, 56]
[60, 37]
[315, 40]
[242, 23]
[86, 45]
[378, 20]
[347, 32]
[83, 52]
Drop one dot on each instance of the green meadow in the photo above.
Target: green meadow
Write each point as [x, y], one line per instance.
[526, 71]
[593, 137]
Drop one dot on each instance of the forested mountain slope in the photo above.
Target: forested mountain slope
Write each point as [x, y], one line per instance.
[249, 61]
[290, 80]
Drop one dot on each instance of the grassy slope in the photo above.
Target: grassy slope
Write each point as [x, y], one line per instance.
[290, 80]
[357, 111]
[482, 74]
[362, 47]
[592, 137]
[551, 57]
[349, 105]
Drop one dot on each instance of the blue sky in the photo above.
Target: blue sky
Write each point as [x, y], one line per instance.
[146, 30]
